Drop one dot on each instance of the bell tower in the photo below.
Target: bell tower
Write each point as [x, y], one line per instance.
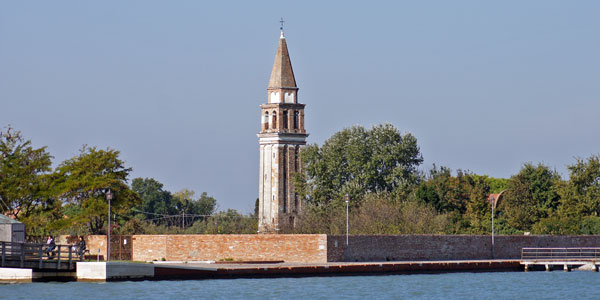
[281, 138]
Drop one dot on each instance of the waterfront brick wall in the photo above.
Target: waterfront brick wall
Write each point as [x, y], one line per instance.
[301, 248]
[92, 242]
[444, 247]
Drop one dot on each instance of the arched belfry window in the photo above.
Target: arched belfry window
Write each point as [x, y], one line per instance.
[266, 120]
[274, 120]
[285, 119]
[296, 119]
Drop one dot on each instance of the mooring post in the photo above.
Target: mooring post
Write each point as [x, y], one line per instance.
[548, 269]
[58, 256]
[22, 255]
[41, 254]
[526, 268]
[3, 253]
[567, 268]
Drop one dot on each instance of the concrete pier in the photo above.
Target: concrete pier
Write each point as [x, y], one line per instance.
[15, 275]
[107, 271]
[102, 271]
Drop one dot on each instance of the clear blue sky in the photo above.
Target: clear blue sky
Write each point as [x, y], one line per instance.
[176, 85]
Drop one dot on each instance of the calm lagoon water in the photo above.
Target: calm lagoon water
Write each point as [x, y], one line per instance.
[505, 285]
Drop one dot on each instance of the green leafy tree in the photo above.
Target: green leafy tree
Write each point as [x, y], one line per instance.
[26, 183]
[25, 180]
[581, 194]
[156, 202]
[531, 195]
[355, 161]
[83, 181]
[186, 204]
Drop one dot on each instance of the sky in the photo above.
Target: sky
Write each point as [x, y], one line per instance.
[175, 86]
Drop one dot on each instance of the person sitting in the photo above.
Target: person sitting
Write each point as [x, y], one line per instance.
[81, 247]
[51, 245]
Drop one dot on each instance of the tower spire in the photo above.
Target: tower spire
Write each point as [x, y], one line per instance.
[281, 138]
[282, 75]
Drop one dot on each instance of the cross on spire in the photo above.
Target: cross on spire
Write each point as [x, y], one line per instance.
[281, 21]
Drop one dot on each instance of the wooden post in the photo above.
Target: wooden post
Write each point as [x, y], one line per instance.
[526, 268]
[548, 268]
[120, 249]
[70, 257]
[3, 253]
[41, 254]
[567, 268]
[58, 255]
[22, 255]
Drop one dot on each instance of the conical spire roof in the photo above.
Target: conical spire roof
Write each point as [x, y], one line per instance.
[282, 75]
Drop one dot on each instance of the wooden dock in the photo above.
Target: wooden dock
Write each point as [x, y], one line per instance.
[557, 258]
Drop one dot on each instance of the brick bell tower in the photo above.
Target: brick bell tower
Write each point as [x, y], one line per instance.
[281, 139]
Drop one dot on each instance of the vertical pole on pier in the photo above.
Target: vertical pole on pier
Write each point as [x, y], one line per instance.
[109, 196]
[41, 254]
[70, 258]
[493, 205]
[347, 223]
[3, 253]
[58, 261]
[22, 255]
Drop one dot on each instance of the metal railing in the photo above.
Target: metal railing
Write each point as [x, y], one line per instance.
[586, 253]
[30, 254]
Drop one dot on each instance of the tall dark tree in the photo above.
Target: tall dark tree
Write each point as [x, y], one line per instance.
[156, 202]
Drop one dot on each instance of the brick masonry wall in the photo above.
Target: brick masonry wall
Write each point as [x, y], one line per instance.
[444, 247]
[302, 248]
[92, 243]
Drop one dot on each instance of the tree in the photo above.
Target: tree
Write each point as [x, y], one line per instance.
[156, 202]
[24, 175]
[356, 161]
[580, 196]
[531, 195]
[83, 181]
[192, 208]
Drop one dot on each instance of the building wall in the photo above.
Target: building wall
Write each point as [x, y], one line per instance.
[239, 247]
[444, 247]
[92, 243]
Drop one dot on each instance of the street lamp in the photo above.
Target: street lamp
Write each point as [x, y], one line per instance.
[493, 199]
[109, 196]
[347, 201]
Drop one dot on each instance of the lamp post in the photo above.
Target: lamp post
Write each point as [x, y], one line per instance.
[109, 196]
[493, 206]
[347, 201]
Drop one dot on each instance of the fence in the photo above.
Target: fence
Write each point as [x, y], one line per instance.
[33, 255]
[586, 253]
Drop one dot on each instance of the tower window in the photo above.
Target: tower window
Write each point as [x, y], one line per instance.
[266, 120]
[296, 119]
[285, 119]
[274, 120]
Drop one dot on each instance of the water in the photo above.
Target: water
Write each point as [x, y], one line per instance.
[509, 285]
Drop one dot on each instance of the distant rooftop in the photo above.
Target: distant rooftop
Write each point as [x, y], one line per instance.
[7, 220]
